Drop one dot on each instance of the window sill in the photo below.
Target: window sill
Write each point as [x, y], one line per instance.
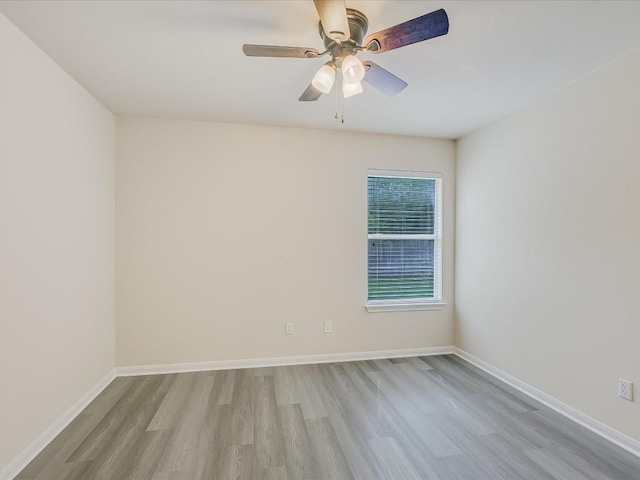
[386, 306]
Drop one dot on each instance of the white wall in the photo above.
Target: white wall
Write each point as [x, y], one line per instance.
[227, 232]
[547, 244]
[57, 159]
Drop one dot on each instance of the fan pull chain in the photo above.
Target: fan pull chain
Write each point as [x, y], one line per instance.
[342, 103]
[339, 108]
[337, 86]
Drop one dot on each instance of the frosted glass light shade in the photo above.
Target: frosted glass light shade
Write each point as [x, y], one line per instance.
[351, 89]
[324, 78]
[352, 69]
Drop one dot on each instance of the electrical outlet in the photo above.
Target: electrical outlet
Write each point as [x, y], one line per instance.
[625, 389]
[289, 329]
[328, 328]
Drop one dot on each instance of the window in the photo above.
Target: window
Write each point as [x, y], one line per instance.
[405, 240]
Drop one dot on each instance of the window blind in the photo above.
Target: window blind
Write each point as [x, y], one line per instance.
[404, 237]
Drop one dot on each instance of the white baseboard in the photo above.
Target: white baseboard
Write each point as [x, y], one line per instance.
[22, 460]
[279, 361]
[586, 421]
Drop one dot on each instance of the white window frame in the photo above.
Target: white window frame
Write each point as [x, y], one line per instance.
[409, 304]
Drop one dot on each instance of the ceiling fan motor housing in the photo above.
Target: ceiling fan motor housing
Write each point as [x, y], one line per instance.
[358, 24]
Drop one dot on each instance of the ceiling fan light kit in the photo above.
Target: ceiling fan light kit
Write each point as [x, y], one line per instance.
[343, 32]
[350, 89]
[324, 78]
[352, 69]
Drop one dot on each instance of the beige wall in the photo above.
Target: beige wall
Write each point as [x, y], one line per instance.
[227, 232]
[547, 244]
[56, 242]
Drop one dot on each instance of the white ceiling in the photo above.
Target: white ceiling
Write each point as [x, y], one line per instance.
[184, 59]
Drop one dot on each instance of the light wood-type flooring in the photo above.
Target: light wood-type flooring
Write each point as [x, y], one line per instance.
[432, 417]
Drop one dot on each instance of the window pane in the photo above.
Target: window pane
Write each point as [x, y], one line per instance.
[402, 205]
[401, 269]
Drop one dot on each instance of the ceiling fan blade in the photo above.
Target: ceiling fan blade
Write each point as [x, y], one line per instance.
[382, 79]
[252, 50]
[311, 94]
[427, 26]
[333, 16]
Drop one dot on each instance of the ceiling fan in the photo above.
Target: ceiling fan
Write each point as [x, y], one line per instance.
[342, 30]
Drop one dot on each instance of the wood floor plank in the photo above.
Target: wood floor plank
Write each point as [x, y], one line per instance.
[59, 450]
[489, 455]
[308, 397]
[109, 396]
[329, 459]
[285, 386]
[558, 468]
[410, 410]
[268, 442]
[581, 449]
[418, 417]
[299, 461]
[275, 473]
[395, 464]
[116, 418]
[396, 379]
[362, 460]
[370, 414]
[460, 467]
[262, 371]
[214, 441]
[352, 400]
[239, 463]
[172, 407]
[66, 471]
[116, 455]
[419, 363]
[182, 440]
[242, 414]
[490, 445]
[145, 456]
[223, 387]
